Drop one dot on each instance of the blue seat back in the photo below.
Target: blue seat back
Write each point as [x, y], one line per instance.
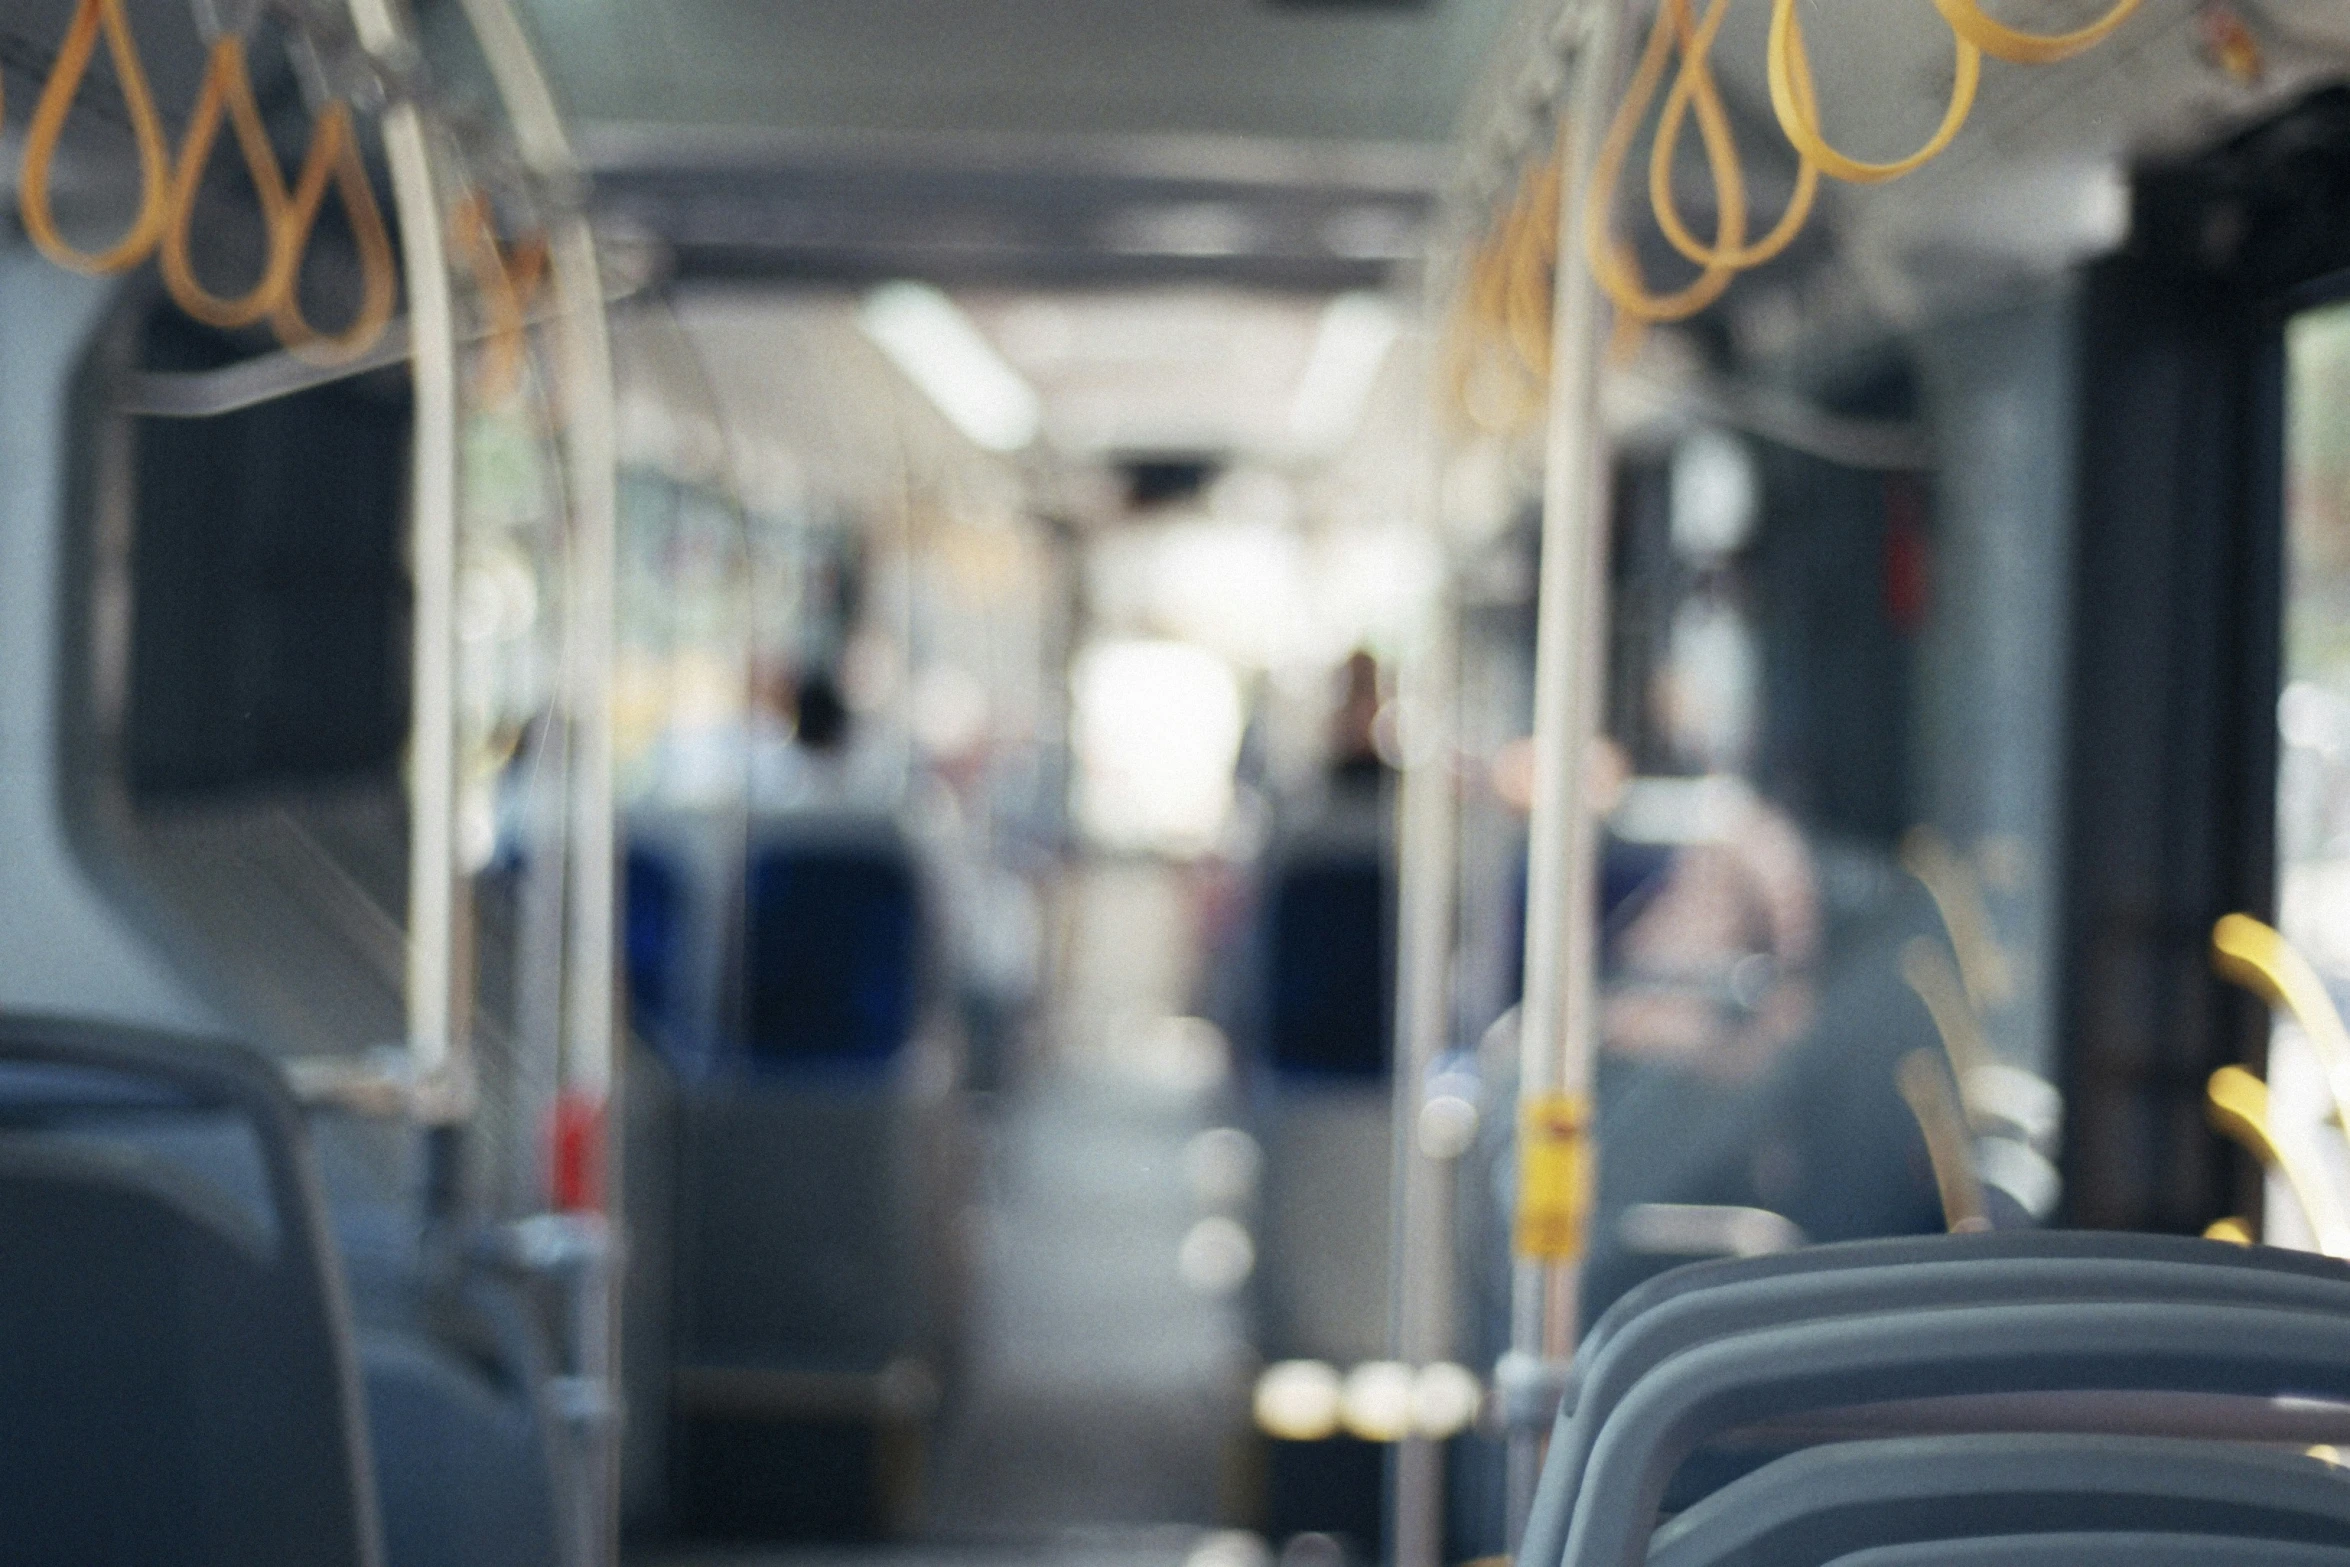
[654, 944]
[1330, 974]
[832, 954]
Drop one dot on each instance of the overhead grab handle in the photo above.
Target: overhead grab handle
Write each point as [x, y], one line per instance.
[48, 125]
[1795, 102]
[1695, 88]
[334, 154]
[2002, 42]
[1789, 71]
[1611, 258]
[228, 89]
[507, 279]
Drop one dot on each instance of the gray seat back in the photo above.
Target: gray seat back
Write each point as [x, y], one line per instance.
[177, 1382]
[1815, 1506]
[1742, 1378]
[1719, 1301]
[2133, 1549]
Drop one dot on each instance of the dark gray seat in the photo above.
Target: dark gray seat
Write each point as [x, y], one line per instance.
[462, 1466]
[1843, 1361]
[177, 1380]
[1893, 1251]
[1692, 1305]
[2101, 1550]
[1826, 1502]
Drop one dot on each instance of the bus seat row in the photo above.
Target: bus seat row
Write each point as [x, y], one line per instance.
[1322, 1038]
[1316, 1028]
[180, 1378]
[782, 969]
[1972, 1386]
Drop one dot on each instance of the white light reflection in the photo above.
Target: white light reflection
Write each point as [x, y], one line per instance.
[928, 337]
[1350, 346]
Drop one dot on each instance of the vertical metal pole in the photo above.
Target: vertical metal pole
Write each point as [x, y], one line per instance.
[436, 1020]
[1559, 1020]
[591, 1066]
[1426, 864]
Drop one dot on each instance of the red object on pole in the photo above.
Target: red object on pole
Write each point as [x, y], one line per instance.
[575, 1154]
[1908, 556]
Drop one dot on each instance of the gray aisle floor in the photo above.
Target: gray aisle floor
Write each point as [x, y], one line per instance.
[1104, 1392]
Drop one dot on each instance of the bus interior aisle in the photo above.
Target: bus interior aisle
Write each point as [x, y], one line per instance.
[1175, 783]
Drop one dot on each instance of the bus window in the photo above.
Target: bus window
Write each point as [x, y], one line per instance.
[2313, 731]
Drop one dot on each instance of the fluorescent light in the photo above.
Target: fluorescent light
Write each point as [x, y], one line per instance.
[1350, 346]
[940, 351]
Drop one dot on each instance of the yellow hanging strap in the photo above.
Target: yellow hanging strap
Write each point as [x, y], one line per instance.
[506, 281]
[48, 125]
[334, 153]
[1613, 264]
[228, 88]
[2001, 42]
[1532, 260]
[1789, 70]
[1484, 355]
[1695, 88]
[1795, 101]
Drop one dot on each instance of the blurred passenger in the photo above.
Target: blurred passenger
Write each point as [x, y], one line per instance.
[707, 766]
[1710, 967]
[828, 763]
[1709, 963]
[1357, 769]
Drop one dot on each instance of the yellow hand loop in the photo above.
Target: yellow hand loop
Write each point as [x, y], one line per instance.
[1481, 373]
[1790, 71]
[506, 282]
[1695, 86]
[2001, 42]
[334, 151]
[1532, 256]
[48, 125]
[1613, 265]
[227, 86]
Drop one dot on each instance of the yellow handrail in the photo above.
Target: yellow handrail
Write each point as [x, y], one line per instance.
[1925, 1088]
[169, 191]
[1958, 897]
[1695, 86]
[2237, 1104]
[1531, 252]
[1936, 981]
[2259, 958]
